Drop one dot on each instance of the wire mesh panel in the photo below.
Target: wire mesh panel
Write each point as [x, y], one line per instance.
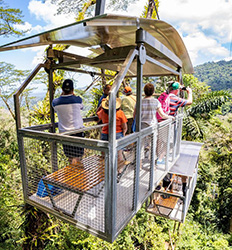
[125, 184]
[67, 178]
[145, 165]
[178, 135]
[162, 146]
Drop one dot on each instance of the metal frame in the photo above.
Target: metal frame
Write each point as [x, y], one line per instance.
[145, 50]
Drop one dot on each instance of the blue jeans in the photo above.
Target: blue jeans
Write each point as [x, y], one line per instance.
[104, 137]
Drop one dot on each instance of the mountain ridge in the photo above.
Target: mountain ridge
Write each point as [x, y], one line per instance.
[218, 75]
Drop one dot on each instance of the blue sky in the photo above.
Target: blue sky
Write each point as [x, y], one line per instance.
[205, 26]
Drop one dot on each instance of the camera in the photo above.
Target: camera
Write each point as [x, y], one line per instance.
[183, 88]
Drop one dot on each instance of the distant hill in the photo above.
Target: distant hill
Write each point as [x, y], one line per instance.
[218, 75]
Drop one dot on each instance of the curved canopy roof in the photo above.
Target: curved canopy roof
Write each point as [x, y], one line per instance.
[111, 30]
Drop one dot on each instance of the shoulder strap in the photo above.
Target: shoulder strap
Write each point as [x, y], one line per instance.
[132, 97]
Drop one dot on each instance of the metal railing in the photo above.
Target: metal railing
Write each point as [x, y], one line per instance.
[141, 173]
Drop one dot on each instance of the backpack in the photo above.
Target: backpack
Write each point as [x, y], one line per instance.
[164, 100]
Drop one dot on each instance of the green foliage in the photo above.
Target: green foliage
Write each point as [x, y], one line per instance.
[209, 102]
[38, 227]
[10, 78]
[86, 7]
[196, 237]
[8, 19]
[216, 74]
[206, 104]
[212, 201]
[146, 9]
[10, 184]
[143, 232]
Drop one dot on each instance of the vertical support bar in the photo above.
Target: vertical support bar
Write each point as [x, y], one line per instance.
[180, 124]
[152, 164]
[108, 198]
[111, 186]
[100, 7]
[21, 147]
[51, 97]
[175, 137]
[168, 146]
[186, 200]
[23, 167]
[17, 112]
[112, 168]
[141, 59]
[52, 117]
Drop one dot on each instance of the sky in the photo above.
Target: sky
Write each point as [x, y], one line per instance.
[204, 25]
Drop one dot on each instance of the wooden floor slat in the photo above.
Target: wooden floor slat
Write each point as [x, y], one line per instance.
[169, 202]
[79, 178]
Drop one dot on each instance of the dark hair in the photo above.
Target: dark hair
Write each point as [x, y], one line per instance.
[171, 86]
[67, 86]
[107, 87]
[149, 89]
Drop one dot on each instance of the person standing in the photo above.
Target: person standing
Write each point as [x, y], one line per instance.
[150, 106]
[121, 126]
[106, 91]
[128, 106]
[68, 108]
[176, 102]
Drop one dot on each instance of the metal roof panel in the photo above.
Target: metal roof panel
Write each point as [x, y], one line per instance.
[112, 30]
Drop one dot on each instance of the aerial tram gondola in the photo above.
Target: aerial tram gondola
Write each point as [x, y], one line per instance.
[92, 198]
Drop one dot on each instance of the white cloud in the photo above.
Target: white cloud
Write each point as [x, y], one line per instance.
[47, 12]
[39, 55]
[198, 45]
[23, 27]
[204, 25]
[134, 9]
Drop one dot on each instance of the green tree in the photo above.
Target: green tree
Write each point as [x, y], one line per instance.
[84, 8]
[9, 17]
[10, 79]
[206, 104]
[10, 184]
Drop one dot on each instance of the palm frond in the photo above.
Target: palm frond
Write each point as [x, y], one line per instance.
[211, 101]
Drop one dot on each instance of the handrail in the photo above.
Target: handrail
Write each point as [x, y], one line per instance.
[84, 129]
[49, 125]
[29, 79]
[20, 90]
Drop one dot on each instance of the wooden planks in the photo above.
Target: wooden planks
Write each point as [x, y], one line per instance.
[169, 202]
[78, 178]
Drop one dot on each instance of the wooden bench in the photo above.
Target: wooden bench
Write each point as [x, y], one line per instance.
[79, 179]
[163, 206]
[168, 203]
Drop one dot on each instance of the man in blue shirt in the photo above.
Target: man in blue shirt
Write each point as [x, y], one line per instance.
[106, 91]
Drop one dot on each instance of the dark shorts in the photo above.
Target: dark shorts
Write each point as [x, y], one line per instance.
[104, 137]
[167, 181]
[129, 126]
[73, 151]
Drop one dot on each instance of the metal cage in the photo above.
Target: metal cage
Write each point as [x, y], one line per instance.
[93, 195]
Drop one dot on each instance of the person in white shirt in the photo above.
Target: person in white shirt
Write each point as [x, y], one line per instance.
[68, 108]
[150, 106]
